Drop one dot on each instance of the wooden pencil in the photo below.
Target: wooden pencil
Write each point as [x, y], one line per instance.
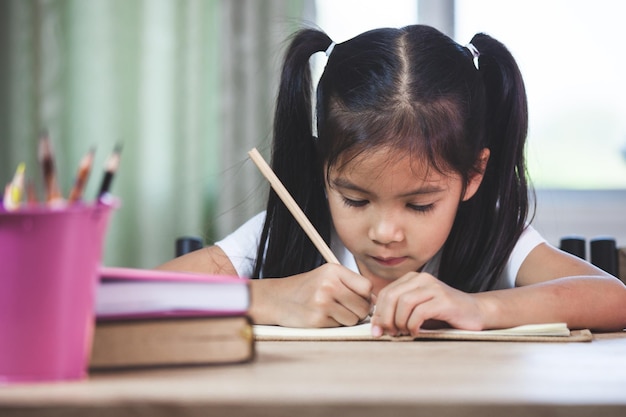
[292, 206]
[81, 176]
[46, 159]
[15, 189]
[112, 165]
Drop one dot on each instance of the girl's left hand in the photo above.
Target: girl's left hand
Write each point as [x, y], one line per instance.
[403, 306]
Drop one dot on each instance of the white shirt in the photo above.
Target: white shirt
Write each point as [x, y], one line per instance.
[241, 248]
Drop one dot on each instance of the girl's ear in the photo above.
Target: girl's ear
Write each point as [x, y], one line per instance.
[477, 177]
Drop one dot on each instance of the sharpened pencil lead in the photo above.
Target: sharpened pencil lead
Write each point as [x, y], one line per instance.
[111, 167]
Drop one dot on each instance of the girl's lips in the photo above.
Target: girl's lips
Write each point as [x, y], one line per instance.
[389, 261]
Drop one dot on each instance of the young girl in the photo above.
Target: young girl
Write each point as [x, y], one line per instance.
[417, 181]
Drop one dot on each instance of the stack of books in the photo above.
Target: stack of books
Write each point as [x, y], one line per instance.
[148, 318]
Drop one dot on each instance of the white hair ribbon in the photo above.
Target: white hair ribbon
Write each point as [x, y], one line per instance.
[330, 48]
[475, 53]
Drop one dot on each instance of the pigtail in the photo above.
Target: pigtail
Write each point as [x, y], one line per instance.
[500, 208]
[284, 248]
[507, 123]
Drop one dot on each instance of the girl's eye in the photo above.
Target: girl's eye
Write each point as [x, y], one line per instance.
[421, 208]
[354, 203]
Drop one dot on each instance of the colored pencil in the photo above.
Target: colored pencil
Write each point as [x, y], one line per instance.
[15, 189]
[81, 176]
[111, 168]
[46, 159]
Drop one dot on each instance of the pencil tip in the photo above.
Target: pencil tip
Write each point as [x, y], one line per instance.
[114, 159]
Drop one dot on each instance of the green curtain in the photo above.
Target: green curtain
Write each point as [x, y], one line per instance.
[186, 86]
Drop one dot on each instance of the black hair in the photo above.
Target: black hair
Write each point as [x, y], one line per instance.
[416, 90]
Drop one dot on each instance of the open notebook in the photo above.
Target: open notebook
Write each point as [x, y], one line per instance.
[549, 332]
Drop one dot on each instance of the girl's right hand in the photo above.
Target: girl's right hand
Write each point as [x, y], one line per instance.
[328, 296]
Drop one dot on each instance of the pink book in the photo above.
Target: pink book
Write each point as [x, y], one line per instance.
[145, 293]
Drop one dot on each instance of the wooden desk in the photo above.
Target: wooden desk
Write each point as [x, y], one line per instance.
[357, 379]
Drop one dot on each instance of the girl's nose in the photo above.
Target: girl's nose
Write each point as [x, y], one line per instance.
[386, 229]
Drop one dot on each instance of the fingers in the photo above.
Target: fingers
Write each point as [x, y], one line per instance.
[411, 306]
[404, 305]
[394, 306]
[343, 305]
[354, 295]
[336, 297]
[358, 284]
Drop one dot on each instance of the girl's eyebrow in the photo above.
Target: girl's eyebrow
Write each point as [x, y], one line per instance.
[348, 185]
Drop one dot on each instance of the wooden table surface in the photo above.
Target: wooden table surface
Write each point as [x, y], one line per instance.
[442, 378]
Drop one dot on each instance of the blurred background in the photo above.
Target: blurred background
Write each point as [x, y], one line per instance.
[188, 87]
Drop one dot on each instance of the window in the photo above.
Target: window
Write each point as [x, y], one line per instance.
[345, 19]
[571, 56]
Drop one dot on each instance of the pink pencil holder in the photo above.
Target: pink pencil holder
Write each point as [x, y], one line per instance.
[49, 260]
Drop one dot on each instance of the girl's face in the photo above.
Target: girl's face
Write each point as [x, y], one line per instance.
[392, 212]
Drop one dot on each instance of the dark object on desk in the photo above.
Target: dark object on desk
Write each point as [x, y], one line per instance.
[187, 244]
[574, 245]
[604, 255]
[140, 343]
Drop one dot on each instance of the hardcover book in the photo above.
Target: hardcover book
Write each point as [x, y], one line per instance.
[172, 341]
[129, 292]
[147, 318]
